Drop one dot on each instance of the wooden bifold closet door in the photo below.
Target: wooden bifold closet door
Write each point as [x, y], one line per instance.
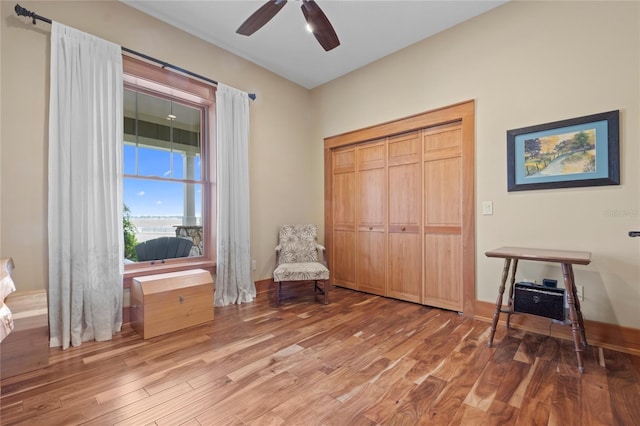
[443, 216]
[399, 209]
[405, 208]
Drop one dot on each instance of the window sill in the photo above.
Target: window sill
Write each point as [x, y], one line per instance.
[145, 269]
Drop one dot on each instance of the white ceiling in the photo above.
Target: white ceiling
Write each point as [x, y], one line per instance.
[368, 30]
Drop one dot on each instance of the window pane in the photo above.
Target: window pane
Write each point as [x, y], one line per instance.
[165, 135]
[165, 209]
[154, 162]
[198, 168]
[129, 158]
[186, 141]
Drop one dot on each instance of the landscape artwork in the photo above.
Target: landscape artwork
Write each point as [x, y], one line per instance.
[577, 152]
[560, 154]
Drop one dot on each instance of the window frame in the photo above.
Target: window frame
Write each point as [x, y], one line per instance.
[150, 79]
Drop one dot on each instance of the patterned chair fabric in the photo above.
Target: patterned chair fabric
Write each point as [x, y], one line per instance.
[300, 258]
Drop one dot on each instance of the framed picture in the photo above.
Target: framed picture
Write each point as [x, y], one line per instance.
[581, 151]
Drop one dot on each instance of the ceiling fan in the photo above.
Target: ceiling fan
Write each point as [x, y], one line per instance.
[315, 17]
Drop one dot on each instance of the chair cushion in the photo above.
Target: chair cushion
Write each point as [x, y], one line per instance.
[300, 272]
[298, 251]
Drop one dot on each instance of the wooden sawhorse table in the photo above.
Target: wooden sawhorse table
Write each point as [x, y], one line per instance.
[567, 259]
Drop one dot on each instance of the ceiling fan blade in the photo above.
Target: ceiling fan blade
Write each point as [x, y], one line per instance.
[320, 25]
[261, 17]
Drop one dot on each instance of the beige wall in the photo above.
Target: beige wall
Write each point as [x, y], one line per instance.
[280, 125]
[525, 63]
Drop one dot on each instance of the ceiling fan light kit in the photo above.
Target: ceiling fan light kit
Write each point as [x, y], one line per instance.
[317, 21]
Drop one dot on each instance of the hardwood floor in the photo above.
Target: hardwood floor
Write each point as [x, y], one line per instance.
[361, 360]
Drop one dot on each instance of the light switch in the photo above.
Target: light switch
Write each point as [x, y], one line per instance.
[487, 207]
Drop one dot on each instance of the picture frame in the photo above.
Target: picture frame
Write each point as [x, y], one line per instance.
[577, 152]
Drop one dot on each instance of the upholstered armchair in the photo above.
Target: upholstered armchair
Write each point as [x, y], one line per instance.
[299, 258]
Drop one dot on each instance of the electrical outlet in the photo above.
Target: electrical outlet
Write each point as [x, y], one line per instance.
[580, 292]
[253, 264]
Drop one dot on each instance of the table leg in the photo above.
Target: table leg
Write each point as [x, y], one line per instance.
[567, 273]
[510, 303]
[496, 314]
[578, 310]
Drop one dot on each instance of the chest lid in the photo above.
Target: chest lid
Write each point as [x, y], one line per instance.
[162, 283]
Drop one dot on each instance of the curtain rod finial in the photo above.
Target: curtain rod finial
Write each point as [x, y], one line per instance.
[21, 11]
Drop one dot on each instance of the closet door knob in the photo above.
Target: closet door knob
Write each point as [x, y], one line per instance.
[403, 229]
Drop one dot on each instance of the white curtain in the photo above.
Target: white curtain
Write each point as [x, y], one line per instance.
[233, 280]
[85, 188]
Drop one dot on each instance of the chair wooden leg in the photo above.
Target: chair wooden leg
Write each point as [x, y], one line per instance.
[324, 290]
[278, 286]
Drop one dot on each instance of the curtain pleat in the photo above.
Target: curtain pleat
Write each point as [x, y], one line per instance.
[85, 188]
[233, 264]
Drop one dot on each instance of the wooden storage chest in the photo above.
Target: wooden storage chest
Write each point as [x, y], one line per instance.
[168, 302]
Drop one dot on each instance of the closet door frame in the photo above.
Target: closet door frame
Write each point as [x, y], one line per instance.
[464, 113]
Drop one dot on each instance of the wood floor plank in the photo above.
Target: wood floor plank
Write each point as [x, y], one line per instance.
[500, 414]
[519, 393]
[395, 394]
[454, 393]
[203, 397]
[351, 411]
[417, 403]
[515, 374]
[566, 401]
[533, 412]
[549, 349]
[304, 409]
[528, 348]
[596, 406]
[484, 390]
[542, 383]
[467, 415]
[624, 388]
[361, 360]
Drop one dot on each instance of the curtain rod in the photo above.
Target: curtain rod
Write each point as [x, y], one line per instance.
[21, 11]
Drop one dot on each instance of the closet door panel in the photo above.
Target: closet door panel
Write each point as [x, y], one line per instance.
[344, 207]
[405, 267]
[371, 198]
[404, 195]
[343, 267]
[443, 261]
[404, 280]
[443, 271]
[371, 213]
[442, 181]
[371, 261]
[343, 255]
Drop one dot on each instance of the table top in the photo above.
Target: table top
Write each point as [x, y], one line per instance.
[542, 255]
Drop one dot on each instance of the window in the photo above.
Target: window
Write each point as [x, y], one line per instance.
[167, 168]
